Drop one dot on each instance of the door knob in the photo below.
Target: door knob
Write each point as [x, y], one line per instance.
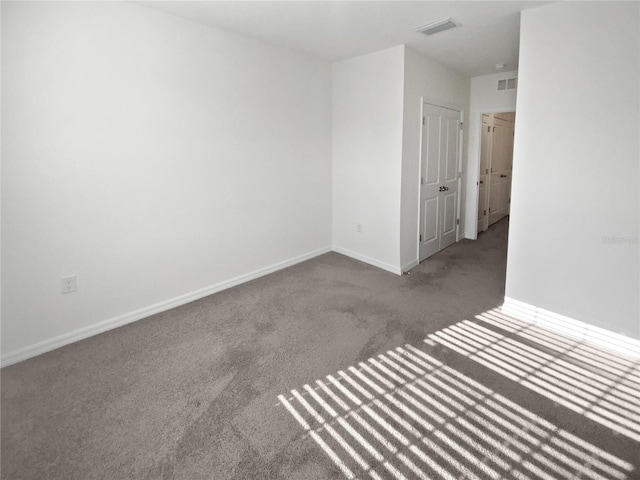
[481, 182]
[503, 176]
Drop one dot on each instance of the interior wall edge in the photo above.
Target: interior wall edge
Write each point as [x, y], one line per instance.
[408, 266]
[58, 341]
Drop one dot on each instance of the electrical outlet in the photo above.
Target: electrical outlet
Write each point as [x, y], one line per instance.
[359, 227]
[69, 284]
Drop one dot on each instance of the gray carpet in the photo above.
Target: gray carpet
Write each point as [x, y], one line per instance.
[329, 369]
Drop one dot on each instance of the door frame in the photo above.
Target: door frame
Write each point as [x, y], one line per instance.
[476, 174]
[488, 174]
[499, 123]
[459, 109]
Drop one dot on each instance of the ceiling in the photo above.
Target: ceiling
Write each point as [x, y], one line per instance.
[334, 30]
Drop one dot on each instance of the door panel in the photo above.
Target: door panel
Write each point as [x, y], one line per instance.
[449, 220]
[494, 199]
[431, 156]
[439, 163]
[482, 208]
[429, 226]
[429, 188]
[453, 129]
[449, 208]
[431, 216]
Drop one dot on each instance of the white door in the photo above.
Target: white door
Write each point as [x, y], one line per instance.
[483, 182]
[439, 162]
[501, 162]
[505, 192]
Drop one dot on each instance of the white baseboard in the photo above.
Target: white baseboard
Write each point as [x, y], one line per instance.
[573, 328]
[371, 261]
[408, 266]
[115, 322]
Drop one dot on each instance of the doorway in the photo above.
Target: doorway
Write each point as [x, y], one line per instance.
[496, 163]
[439, 185]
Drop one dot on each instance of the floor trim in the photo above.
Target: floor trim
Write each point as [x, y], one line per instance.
[408, 266]
[115, 322]
[369, 260]
[573, 328]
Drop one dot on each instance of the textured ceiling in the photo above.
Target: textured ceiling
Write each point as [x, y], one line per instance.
[335, 30]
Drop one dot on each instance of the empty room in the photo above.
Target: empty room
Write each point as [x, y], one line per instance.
[320, 240]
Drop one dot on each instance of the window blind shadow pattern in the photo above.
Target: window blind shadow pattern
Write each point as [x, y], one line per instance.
[598, 383]
[405, 415]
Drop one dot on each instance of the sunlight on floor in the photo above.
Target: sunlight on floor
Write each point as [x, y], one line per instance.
[574, 329]
[594, 382]
[405, 414]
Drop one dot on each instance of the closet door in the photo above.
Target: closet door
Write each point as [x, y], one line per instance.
[451, 135]
[439, 163]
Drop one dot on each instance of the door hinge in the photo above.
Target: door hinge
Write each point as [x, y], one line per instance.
[494, 129]
[421, 180]
[423, 120]
[461, 125]
[420, 237]
[485, 212]
[486, 171]
[489, 129]
[457, 221]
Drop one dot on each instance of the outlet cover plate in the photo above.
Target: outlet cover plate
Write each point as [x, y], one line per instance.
[68, 284]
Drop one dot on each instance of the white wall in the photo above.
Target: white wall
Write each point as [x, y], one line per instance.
[376, 150]
[485, 98]
[155, 158]
[367, 154]
[428, 79]
[576, 164]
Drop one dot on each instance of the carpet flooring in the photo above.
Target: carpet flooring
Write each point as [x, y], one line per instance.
[330, 369]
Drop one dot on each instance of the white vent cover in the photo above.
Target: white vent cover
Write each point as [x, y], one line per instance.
[508, 83]
[436, 27]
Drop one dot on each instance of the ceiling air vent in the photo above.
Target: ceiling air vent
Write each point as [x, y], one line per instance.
[436, 27]
[508, 83]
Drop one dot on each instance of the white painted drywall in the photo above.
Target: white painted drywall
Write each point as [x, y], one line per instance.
[428, 79]
[573, 242]
[367, 96]
[152, 157]
[485, 98]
